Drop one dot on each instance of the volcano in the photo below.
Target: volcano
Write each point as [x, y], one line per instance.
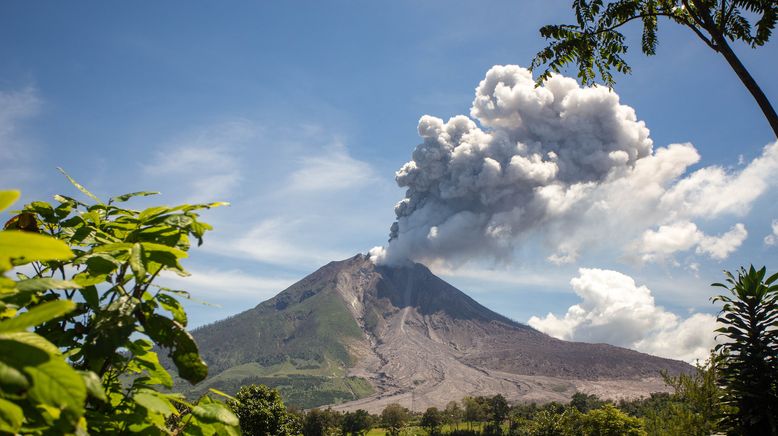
[357, 335]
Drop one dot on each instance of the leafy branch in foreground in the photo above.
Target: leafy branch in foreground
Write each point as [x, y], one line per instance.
[595, 44]
[98, 317]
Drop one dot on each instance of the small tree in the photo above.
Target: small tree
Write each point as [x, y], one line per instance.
[547, 423]
[393, 418]
[696, 408]
[596, 42]
[475, 410]
[585, 402]
[609, 421]
[319, 422]
[497, 413]
[261, 411]
[356, 423]
[431, 420]
[453, 414]
[749, 355]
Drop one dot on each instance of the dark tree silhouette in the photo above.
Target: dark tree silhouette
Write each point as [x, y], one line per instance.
[595, 43]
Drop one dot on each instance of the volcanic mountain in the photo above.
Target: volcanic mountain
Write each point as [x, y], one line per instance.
[362, 336]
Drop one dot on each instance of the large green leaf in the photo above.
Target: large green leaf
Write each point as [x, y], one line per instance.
[56, 383]
[146, 360]
[8, 198]
[25, 247]
[152, 247]
[11, 417]
[173, 306]
[44, 283]
[12, 380]
[19, 355]
[31, 339]
[154, 402]
[52, 382]
[211, 411]
[109, 248]
[37, 315]
[94, 385]
[153, 212]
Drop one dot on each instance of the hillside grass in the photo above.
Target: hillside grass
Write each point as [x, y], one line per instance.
[297, 342]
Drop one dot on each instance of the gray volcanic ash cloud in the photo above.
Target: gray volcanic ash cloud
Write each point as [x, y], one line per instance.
[565, 167]
[474, 190]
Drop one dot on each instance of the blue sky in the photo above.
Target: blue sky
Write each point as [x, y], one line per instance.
[299, 113]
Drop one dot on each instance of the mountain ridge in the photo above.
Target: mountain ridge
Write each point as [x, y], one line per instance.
[364, 335]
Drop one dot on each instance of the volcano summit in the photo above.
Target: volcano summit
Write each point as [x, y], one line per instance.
[362, 336]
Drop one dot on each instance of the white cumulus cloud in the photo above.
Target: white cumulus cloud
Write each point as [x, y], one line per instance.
[684, 235]
[615, 310]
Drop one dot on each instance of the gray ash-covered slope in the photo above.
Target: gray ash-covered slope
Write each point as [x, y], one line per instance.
[365, 336]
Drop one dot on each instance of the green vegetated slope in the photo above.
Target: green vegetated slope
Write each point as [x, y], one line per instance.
[297, 342]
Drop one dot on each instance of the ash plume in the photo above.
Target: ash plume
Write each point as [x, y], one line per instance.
[477, 184]
[555, 170]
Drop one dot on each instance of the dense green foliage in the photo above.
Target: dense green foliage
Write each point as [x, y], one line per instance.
[595, 43]
[88, 293]
[320, 422]
[393, 418]
[262, 413]
[431, 420]
[749, 355]
[356, 423]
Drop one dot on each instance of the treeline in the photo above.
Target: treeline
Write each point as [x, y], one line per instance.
[695, 407]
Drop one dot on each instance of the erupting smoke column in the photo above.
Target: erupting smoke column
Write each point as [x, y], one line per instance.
[476, 190]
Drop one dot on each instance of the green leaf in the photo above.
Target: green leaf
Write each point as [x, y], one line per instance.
[85, 279]
[152, 212]
[125, 197]
[222, 394]
[137, 262]
[37, 315]
[42, 284]
[154, 402]
[215, 412]
[147, 360]
[113, 247]
[152, 247]
[80, 187]
[174, 307]
[7, 198]
[25, 247]
[91, 297]
[56, 383]
[52, 381]
[183, 350]
[94, 386]
[11, 417]
[31, 339]
[179, 220]
[12, 380]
